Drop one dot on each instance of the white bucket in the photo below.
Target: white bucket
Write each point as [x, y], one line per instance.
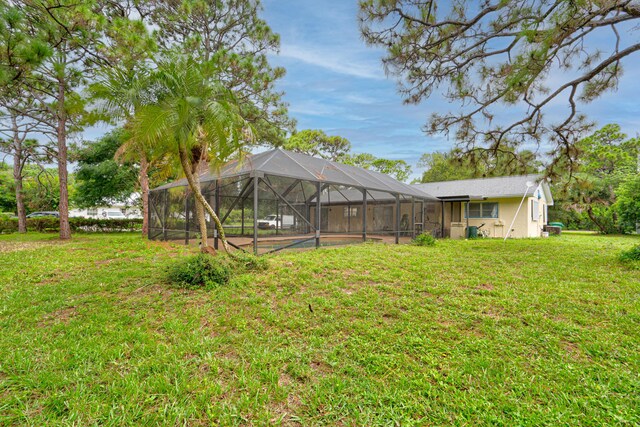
[545, 234]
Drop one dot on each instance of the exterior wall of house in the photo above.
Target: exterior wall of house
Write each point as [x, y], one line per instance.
[497, 227]
[381, 217]
[524, 225]
[537, 217]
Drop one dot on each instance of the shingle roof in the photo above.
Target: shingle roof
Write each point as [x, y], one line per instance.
[285, 163]
[497, 187]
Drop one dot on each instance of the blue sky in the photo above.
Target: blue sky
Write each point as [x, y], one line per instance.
[335, 82]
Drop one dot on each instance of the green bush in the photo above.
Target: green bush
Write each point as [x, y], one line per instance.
[52, 224]
[7, 225]
[200, 271]
[207, 271]
[628, 203]
[104, 225]
[631, 255]
[424, 239]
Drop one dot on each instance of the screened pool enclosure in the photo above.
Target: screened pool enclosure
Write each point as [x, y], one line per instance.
[283, 200]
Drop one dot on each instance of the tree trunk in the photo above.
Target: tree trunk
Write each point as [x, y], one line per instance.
[194, 184]
[63, 206]
[17, 178]
[603, 230]
[143, 177]
[202, 220]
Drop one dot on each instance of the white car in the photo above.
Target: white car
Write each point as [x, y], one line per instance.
[274, 221]
[113, 214]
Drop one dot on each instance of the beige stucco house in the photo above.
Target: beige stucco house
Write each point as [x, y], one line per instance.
[513, 205]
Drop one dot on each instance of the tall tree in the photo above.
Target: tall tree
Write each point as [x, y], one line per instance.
[495, 53]
[22, 150]
[18, 54]
[607, 158]
[20, 51]
[119, 87]
[315, 142]
[72, 32]
[40, 188]
[457, 164]
[197, 119]
[232, 35]
[100, 180]
[399, 169]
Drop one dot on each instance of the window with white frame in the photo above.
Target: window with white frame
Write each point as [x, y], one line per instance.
[482, 210]
[535, 210]
[92, 212]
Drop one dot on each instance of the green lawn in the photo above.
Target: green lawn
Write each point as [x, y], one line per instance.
[527, 332]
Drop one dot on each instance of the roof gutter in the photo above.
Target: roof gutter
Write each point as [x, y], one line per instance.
[461, 198]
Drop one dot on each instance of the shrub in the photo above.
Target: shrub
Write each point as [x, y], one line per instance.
[52, 224]
[631, 255]
[628, 203]
[105, 225]
[200, 271]
[424, 239]
[207, 271]
[8, 225]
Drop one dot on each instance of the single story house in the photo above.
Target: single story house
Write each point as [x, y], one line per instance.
[512, 205]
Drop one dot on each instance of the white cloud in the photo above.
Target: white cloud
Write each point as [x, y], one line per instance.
[356, 98]
[334, 59]
[314, 108]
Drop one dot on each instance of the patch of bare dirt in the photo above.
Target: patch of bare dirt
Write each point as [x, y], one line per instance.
[285, 380]
[321, 368]
[572, 350]
[6, 247]
[284, 410]
[56, 277]
[492, 313]
[62, 316]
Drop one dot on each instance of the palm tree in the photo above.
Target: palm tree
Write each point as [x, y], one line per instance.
[191, 115]
[120, 93]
